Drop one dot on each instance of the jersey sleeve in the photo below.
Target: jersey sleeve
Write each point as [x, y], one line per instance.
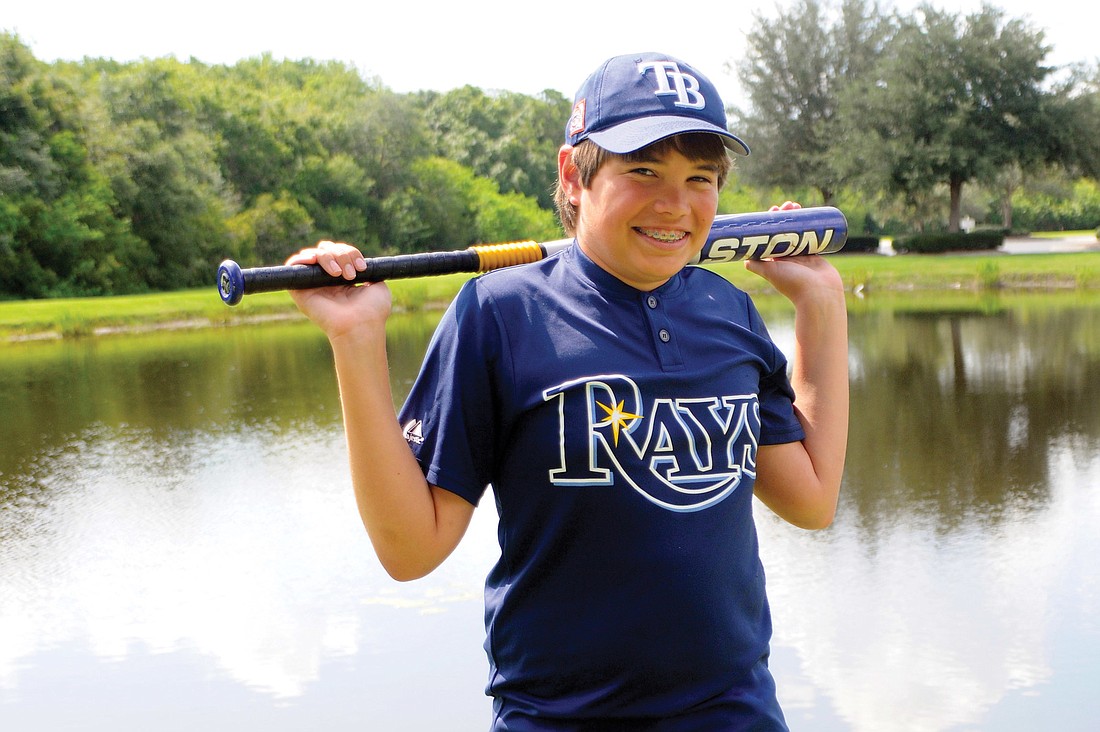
[778, 421]
[450, 417]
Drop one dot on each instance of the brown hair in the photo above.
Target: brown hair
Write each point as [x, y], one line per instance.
[589, 157]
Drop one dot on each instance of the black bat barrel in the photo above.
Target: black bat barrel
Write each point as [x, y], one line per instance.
[234, 283]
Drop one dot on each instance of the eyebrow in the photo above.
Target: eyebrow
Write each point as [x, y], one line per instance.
[702, 163]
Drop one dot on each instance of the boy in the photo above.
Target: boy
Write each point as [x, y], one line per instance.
[625, 408]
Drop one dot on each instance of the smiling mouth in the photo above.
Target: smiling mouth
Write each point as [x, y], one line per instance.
[663, 235]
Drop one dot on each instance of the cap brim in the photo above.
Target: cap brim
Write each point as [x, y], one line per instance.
[638, 133]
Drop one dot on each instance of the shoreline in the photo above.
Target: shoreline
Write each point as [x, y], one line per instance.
[150, 327]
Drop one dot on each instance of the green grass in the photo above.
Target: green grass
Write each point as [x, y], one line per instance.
[866, 274]
[1062, 234]
[869, 273]
[72, 317]
[84, 316]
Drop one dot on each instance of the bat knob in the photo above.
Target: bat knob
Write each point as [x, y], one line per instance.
[230, 282]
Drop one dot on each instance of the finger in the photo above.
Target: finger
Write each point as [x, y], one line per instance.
[338, 259]
[341, 259]
[305, 256]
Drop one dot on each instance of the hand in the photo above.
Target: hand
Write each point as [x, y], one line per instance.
[339, 311]
[336, 258]
[797, 277]
[800, 278]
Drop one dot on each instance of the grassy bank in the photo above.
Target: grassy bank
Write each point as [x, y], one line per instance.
[868, 273]
[74, 317]
[863, 274]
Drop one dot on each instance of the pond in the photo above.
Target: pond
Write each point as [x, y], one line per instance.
[180, 550]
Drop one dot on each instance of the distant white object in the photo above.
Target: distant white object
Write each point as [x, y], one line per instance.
[967, 224]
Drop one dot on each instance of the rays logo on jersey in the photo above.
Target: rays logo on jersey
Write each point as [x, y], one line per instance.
[681, 454]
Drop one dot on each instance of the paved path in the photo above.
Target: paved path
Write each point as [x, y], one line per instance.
[1030, 245]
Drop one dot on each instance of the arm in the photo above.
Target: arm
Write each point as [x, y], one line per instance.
[412, 525]
[800, 481]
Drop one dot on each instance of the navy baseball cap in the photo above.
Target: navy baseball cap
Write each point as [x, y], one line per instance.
[636, 100]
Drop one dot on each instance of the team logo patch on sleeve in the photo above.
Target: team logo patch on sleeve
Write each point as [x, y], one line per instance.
[414, 432]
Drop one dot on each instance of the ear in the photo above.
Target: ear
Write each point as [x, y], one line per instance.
[569, 176]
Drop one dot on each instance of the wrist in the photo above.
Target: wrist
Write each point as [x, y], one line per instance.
[358, 334]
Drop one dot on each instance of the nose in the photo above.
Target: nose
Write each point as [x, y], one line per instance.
[672, 198]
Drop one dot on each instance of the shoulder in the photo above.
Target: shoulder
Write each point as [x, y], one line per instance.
[719, 302]
[515, 284]
[700, 282]
[493, 300]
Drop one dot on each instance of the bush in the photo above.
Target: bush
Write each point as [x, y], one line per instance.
[1057, 205]
[860, 245]
[943, 242]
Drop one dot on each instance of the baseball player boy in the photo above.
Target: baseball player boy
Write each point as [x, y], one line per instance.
[625, 409]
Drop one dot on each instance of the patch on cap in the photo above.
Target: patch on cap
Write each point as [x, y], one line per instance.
[576, 120]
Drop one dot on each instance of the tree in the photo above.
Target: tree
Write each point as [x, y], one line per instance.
[509, 137]
[1075, 121]
[384, 133]
[953, 102]
[28, 173]
[794, 72]
[271, 228]
[1005, 183]
[60, 229]
[164, 168]
[449, 207]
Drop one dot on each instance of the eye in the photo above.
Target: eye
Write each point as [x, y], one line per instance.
[643, 171]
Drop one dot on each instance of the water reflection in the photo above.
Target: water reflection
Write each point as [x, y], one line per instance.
[973, 404]
[911, 629]
[175, 514]
[960, 555]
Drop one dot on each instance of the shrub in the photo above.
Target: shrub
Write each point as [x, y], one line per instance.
[943, 242]
[860, 245]
[989, 275]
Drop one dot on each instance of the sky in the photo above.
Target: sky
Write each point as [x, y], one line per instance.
[444, 44]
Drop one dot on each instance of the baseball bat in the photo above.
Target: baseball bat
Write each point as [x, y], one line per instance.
[732, 237]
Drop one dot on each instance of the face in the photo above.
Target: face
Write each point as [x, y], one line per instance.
[644, 221]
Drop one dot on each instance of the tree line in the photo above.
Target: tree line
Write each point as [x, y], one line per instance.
[911, 111]
[129, 177]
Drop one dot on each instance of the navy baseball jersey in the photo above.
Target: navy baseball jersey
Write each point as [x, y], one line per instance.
[619, 431]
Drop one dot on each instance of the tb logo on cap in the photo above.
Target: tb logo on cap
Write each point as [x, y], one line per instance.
[672, 81]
